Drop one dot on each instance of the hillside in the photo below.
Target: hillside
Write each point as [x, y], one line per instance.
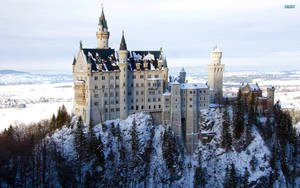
[136, 153]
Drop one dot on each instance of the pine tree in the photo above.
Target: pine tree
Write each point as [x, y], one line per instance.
[238, 123]
[199, 176]
[53, 123]
[246, 178]
[99, 151]
[134, 139]
[80, 140]
[92, 141]
[226, 135]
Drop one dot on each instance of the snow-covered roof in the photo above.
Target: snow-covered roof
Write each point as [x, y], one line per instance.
[166, 93]
[175, 82]
[253, 87]
[193, 86]
[262, 98]
[154, 78]
[149, 56]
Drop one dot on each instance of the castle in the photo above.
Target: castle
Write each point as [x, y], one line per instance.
[251, 91]
[111, 84]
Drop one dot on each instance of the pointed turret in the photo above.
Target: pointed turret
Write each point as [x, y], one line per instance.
[123, 45]
[165, 65]
[74, 61]
[102, 32]
[102, 21]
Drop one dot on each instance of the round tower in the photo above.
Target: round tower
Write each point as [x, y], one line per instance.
[123, 65]
[270, 97]
[215, 56]
[215, 75]
[102, 32]
[182, 76]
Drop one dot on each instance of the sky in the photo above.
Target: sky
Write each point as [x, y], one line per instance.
[43, 36]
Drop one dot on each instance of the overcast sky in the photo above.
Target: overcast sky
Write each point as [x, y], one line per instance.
[43, 35]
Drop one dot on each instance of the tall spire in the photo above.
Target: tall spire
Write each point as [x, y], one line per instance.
[102, 20]
[123, 45]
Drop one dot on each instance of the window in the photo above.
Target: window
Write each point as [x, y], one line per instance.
[149, 75]
[117, 86]
[137, 100]
[106, 110]
[96, 95]
[118, 109]
[141, 76]
[149, 84]
[137, 92]
[191, 92]
[117, 94]
[156, 76]
[117, 102]
[137, 85]
[142, 84]
[158, 99]
[105, 102]
[204, 91]
[191, 106]
[142, 107]
[131, 107]
[117, 77]
[154, 106]
[134, 76]
[112, 110]
[167, 100]
[103, 86]
[137, 107]
[142, 92]
[96, 103]
[148, 99]
[111, 77]
[105, 94]
[154, 99]
[159, 106]
[149, 107]
[96, 78]
[191, 99]
[103, 77]
[131, 85]
[96, 86]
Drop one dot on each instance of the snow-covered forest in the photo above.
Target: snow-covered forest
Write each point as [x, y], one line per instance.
[242, 150]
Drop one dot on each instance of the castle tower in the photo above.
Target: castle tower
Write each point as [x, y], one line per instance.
[165, 72]
[270, 97]
[102, 32]
[215, 75]
[123, 65]
[182, 76]
[176, 110]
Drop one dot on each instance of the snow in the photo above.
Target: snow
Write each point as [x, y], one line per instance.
[41, 100]
[149, 56]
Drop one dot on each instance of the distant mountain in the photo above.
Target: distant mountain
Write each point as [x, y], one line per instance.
[12, 72]
[13, 77]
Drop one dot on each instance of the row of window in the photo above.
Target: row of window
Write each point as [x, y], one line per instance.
[199, 91]
[117, 77]
[136, 85]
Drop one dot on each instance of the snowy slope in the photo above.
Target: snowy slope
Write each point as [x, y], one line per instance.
[214, 159]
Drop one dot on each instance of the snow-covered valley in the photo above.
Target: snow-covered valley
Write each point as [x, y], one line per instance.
[26, 98]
